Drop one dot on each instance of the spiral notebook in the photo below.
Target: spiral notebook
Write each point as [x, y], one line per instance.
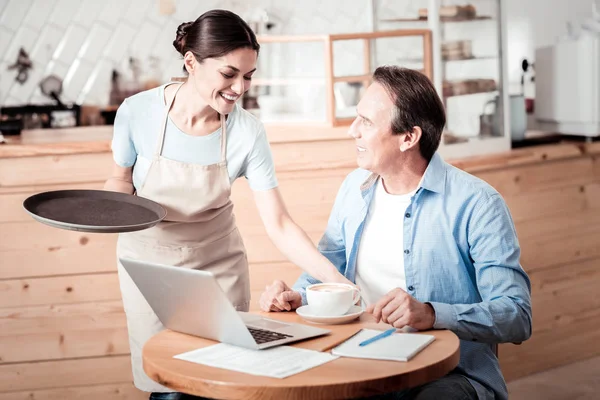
[396, 347]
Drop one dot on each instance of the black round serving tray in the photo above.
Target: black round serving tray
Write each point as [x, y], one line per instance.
[97, 211]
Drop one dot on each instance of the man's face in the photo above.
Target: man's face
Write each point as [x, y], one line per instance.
[377, 148]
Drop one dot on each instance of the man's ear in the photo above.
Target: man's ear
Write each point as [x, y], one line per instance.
[190, 62]
[410, 139]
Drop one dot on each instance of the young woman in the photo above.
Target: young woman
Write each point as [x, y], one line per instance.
[182, 145]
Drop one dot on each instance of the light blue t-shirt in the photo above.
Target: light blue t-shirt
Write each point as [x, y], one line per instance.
[137, 129]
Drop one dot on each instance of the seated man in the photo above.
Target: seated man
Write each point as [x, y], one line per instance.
[430, 246]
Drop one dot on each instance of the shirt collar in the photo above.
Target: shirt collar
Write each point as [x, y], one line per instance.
[433, 180]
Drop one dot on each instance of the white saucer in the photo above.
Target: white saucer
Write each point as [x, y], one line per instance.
[352, 314]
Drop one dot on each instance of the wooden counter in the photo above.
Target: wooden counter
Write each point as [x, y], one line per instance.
[85, 140]
[45, 142]
[62, 329]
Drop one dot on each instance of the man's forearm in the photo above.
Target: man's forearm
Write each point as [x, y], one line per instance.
[498, 321]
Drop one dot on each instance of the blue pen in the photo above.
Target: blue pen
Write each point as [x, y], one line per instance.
[377, 337]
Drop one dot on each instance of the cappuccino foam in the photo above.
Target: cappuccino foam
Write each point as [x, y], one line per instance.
[331, 289]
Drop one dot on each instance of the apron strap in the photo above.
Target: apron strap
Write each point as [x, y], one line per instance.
[161, 139]
[223, 138]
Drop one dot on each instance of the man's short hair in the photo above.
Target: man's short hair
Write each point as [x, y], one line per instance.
[416, 104]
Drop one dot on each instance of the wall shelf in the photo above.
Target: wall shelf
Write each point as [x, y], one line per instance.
[287, 81]
[472, 58]
[442, 19]
[470, 93]
[352, 79]
[466, 99]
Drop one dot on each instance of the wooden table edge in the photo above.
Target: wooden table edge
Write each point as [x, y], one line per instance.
[358, 388]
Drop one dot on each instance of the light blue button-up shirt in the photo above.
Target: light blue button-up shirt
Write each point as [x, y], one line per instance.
[461, 254]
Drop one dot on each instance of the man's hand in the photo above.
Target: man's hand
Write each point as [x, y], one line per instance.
[279, 297]
[400, 309]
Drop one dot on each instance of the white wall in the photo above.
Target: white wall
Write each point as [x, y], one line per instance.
[81, 41]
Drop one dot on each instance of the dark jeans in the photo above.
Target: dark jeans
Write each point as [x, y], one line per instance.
[173, 396]
[165, 396]
[451, 387]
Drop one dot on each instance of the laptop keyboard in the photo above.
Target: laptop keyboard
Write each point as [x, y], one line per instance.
[263, 336]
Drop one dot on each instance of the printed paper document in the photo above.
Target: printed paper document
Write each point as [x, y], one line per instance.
[276, 362]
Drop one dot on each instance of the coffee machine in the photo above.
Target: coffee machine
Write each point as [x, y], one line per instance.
[567, 96]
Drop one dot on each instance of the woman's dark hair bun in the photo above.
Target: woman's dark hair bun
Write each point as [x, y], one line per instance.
[182, 30]
[214, 34]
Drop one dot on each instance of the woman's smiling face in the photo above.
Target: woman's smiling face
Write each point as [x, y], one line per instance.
[221, 81]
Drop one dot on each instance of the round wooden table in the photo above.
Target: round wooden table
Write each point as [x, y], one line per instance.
[340, 378]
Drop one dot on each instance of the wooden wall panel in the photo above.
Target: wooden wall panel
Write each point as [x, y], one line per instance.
[47, 170]
[111, 391]
[545, 203]
[62, 331]
[568, 287]
[559, 225]
[569, 343]
[535, 155]
[29, 249]
[596, 160]
[65, 373]
[556, 207]
[566, 315]
[540, 253]
[65, 344]
[539, 177]
[306, 156]
[308, 196]
[61, 318]
[260, 249]
[59, 290]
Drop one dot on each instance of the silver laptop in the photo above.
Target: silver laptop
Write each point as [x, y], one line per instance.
[191, 301]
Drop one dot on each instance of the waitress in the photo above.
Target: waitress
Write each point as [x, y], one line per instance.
[183, 145]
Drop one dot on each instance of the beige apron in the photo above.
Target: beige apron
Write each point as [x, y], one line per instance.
[198, 232]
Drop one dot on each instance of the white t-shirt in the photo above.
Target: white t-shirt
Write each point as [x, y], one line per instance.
[380, 261]
[137, 128]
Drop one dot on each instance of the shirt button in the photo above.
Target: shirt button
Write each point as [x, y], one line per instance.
[407, 215]
[406, 251]
[411, 288]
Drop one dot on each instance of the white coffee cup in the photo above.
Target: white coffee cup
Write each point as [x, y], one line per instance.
[331, 299]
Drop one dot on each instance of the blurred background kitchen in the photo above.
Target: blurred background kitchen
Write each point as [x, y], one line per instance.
[520, 80]
[70, 63]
